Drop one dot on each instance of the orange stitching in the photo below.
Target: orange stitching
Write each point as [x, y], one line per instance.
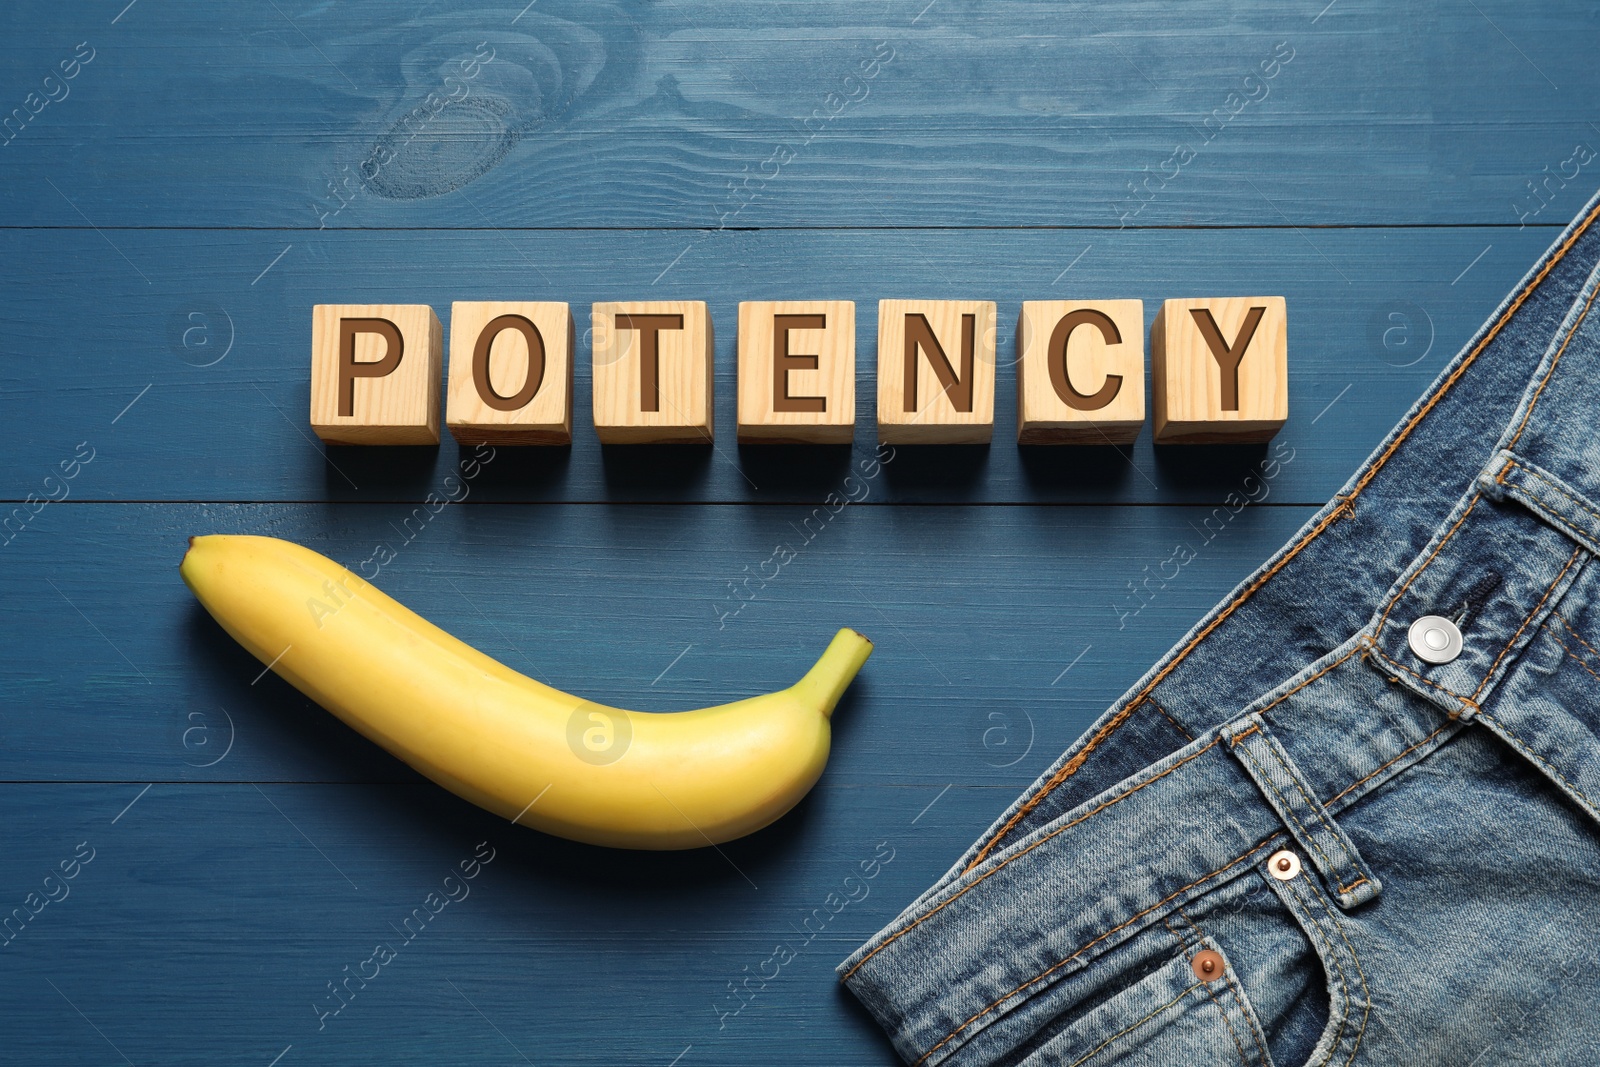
[1384, 620]
[1178, 725]
[1092, 1053]
[1316, 934]
[1288, 812]
[1355, 961]
[1183, 943]
[1212, 993]
[1536, 609]
[1318, 812]
[1551, 373]
[1431, 684]
[1500, 479]
[1255, 1029]
[1242, 734]
[1238, 993]
[1086, 947]
[1058, 830]
[1531, 754]
[1579, 659]
[1358, 882]
[1551, 515]
[1551, 483]
[1347, 502]
[1575, 633]
[1386, 764]
[1359, 646]
[1067, 770]
[1116, 721]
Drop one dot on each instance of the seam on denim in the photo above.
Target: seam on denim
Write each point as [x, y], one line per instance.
[1169, 717]
[1086, 946]
[1550, 483]
[1358, 882]
[1582, 662]
[1355, 961]
[1238, 998]
[1391, 662]
[1244, 1061]
[1327, 958]
[1360, 645]
[1386, 764]
[1383, 620]
[1097, 809]
[1347, 503]
[1500, 479]
[1551, 515]
[1531, 754]
[1551, 373]
[1575, 633]
[1233, 742]
[1068, 769]
[1314, 805]
[1250, 1021]
[1092, 1053]
[1183, 943]
[1288, 812]
[1576, 552]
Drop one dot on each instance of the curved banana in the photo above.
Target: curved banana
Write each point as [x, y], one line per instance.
[525, 751]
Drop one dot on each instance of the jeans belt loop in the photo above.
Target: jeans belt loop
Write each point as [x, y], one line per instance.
[1334, 855]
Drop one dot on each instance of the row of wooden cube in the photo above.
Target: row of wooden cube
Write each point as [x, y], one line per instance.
[1219, 371]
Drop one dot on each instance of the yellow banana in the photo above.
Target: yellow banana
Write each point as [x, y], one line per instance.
[525, 751]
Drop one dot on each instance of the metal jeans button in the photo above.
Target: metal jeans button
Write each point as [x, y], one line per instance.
[1207, 965]
[1283, 865]
[1434, 639]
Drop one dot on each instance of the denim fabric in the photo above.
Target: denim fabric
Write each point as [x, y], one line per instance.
[1444, 818]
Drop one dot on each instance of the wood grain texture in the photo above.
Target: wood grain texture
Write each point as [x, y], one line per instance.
[797, 371]
[936, 372]
[1080, 381]
[1219, 370]
[170, 212]
[600, 601]
[375, 374]
[652, 367]
[216, 351]
[522, 394]
[690, 115]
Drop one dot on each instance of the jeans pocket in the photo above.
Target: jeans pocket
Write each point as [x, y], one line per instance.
[1293, 970]
[1174, 1015]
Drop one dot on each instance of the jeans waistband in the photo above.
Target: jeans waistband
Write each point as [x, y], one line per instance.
[1482, 505]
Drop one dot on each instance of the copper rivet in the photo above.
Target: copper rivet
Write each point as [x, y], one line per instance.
[1207, 965]
[1283, 865]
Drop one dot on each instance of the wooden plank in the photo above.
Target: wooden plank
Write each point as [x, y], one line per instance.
[242, 903]
[204, 347]
[1020, 113]
[121, 675]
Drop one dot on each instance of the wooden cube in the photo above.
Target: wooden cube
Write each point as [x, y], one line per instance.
[1219, 369]
[797, 371]
[652, 372]
[510, 378]
[1080, 372]
[375, 374]
[935, 371]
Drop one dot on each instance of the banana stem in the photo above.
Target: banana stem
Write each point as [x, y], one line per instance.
[828, 678]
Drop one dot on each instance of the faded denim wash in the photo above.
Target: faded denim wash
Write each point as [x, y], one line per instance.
[1440, 821]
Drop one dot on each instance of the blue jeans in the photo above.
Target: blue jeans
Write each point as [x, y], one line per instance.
[1316, 833]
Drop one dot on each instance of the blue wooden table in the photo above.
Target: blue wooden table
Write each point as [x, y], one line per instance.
[181, 181]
